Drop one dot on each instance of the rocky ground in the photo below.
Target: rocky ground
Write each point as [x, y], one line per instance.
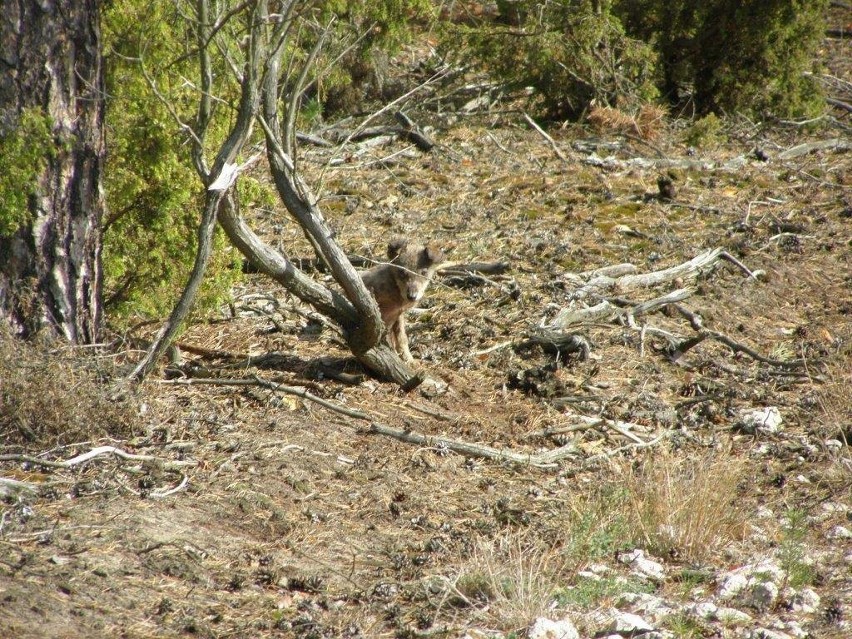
[685, 469]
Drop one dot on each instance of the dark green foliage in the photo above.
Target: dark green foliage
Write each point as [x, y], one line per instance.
[154, 195]
[24, 150]
[572, 52]
[733, 55]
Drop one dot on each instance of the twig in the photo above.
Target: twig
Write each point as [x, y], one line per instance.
[541, 131]
[612, 453]
[432, 412]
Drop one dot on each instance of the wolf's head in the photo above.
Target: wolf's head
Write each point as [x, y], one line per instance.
[415, 265]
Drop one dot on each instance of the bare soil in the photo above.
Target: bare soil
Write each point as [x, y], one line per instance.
[296, 521]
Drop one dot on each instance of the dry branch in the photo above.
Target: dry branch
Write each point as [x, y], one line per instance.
[550, 140]
[546, 460]
[836, 144]
[98, 452]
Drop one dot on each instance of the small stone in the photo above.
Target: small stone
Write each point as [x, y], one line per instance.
[763, 595]
[766, 633]
[647, 604]
[544, 628]
[732, 585]
[796, 630]
[625, 623]
[732, 616]
[806, 601]
[704, 610]
[643, 565]
[833, 445]
[762, 420]
[839, 532]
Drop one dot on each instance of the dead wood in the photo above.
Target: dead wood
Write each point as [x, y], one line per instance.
[549, 139]
[13, 487]
[558, 343]
[835, 144]
[544, 460]
[599, 282]
[485, 268]
[407, 130]
[99, 452]
[641, 163]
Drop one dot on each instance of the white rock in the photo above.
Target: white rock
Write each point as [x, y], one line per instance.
[544, 628]
[624, 623]
[764, 420]
[766, 633]
[599, 569]
[646, 604]
[762, 595]
[703, 610]
[731, 585]
[732, 616]
[833, 445]
[839, 532]
[796, 630]
[763, 512]
[833, 507]
[643, 565]
[746, 584]
[806, 601]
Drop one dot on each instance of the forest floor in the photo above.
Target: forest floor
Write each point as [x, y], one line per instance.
[289, 519]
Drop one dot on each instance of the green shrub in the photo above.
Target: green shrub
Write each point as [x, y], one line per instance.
[733, 55]
[571, 52]
[154, 196]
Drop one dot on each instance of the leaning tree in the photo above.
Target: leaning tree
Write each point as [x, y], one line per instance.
[51, 156]
[269, 70]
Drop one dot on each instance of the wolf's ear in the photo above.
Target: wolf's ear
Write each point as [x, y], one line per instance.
[395, 247]
[434, 254]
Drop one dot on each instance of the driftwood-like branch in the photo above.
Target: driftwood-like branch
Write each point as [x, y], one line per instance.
[546, 460]
[623, 277]
[607, 310]
[98, 452]
[836, 144]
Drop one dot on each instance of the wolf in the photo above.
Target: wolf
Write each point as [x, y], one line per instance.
[400, 283]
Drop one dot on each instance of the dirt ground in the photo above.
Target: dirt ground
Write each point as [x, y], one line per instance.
[290, 520]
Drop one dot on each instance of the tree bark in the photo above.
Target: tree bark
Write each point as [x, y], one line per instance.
[50, 268]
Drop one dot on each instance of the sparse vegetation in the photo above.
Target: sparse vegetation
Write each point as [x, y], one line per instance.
[260, 514]
[53, 398]
[690, 507]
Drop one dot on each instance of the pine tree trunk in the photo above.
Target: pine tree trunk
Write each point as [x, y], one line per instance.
[50, 268]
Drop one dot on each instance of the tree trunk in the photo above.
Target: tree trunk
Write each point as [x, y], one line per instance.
[50, 267]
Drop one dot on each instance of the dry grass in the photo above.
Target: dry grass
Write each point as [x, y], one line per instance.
[512, 579]
[648, 123]
[54, 398]
[686, 507]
